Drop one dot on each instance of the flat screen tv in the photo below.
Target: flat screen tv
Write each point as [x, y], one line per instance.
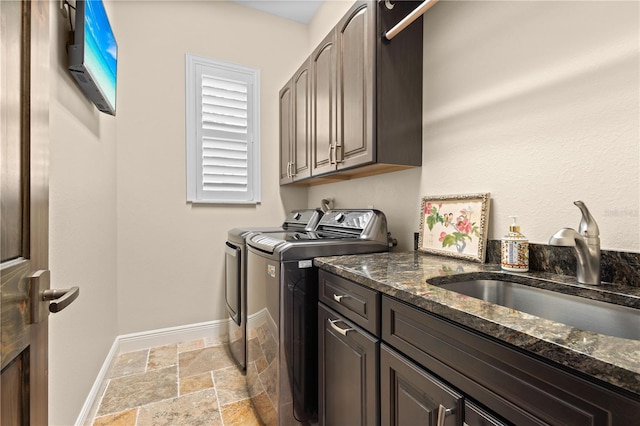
[93, 56]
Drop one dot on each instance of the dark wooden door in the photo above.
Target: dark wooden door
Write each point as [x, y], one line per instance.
[301, 85]
[412, 396]
[356, 101]
[286, 134]
[348, 372]
[24, 196]
[324, 134]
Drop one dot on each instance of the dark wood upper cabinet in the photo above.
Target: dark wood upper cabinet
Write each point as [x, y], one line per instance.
[286, 136]
[356, 41]
[324, 133]
[365, 97]
[295, 127]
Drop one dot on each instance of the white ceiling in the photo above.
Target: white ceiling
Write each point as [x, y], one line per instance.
[296, 10]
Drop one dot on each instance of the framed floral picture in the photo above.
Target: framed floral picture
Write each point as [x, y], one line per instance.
[455, 226]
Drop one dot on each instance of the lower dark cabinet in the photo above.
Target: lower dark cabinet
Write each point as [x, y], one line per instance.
[411, 396]
[348, 372]
[425, 370]
[522, 389]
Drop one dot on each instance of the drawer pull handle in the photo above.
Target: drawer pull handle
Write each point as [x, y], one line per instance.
[338, 298]
[442, 414]
[342, 331]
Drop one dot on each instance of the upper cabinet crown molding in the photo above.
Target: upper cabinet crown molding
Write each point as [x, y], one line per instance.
[364, 100]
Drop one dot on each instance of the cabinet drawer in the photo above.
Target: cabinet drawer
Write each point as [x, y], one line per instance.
[357, 303]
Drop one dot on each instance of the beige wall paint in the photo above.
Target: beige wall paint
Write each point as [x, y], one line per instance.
[170, 253]
[120, 225]
[327, 16]
[535, 102]
[82, 228]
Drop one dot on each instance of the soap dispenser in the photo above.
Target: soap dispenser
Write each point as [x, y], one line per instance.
[514, 249]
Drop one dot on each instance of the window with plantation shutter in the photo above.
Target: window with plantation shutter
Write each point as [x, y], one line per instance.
[222, 121]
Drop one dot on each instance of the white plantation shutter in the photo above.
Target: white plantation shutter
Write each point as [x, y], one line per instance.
[222, 132]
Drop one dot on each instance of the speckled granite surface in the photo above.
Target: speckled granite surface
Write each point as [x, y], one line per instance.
[405, 275]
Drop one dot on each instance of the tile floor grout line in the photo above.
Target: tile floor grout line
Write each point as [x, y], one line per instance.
[146, 364]
[215, 390]
[137, 415]
[104, 392]
[115, 413]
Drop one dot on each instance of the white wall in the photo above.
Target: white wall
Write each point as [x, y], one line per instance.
[82, 228]
[170, 253]
[534, 102]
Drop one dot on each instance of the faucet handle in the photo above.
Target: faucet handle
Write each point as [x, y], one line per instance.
[588, 226]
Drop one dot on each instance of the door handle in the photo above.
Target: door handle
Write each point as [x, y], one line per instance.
[40, 292]
[59, 298]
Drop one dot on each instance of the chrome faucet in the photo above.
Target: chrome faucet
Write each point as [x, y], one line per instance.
[587, 243]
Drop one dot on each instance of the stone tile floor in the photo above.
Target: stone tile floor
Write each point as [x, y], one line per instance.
[191, 383]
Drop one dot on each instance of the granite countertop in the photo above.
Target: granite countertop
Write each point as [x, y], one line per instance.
[404, 276]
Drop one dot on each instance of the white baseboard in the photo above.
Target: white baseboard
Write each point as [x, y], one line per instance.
[145, 340]
[169, 336]
[90, 406]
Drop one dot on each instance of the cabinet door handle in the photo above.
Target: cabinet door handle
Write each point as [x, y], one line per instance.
[289, 169]
[342, 331]
[338, 298]
[443, 412]
[331, 153]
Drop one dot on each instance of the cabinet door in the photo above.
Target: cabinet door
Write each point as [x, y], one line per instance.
[356, 76]
[286, 133]
[348, 376]
[324, 133]
[301, 85]
[412, 396]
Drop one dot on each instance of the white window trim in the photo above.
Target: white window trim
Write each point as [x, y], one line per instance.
[194, 146]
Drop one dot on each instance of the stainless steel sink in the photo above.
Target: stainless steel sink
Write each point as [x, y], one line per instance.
[585, 314]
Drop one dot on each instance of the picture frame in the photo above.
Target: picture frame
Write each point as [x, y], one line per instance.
[455, 225]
